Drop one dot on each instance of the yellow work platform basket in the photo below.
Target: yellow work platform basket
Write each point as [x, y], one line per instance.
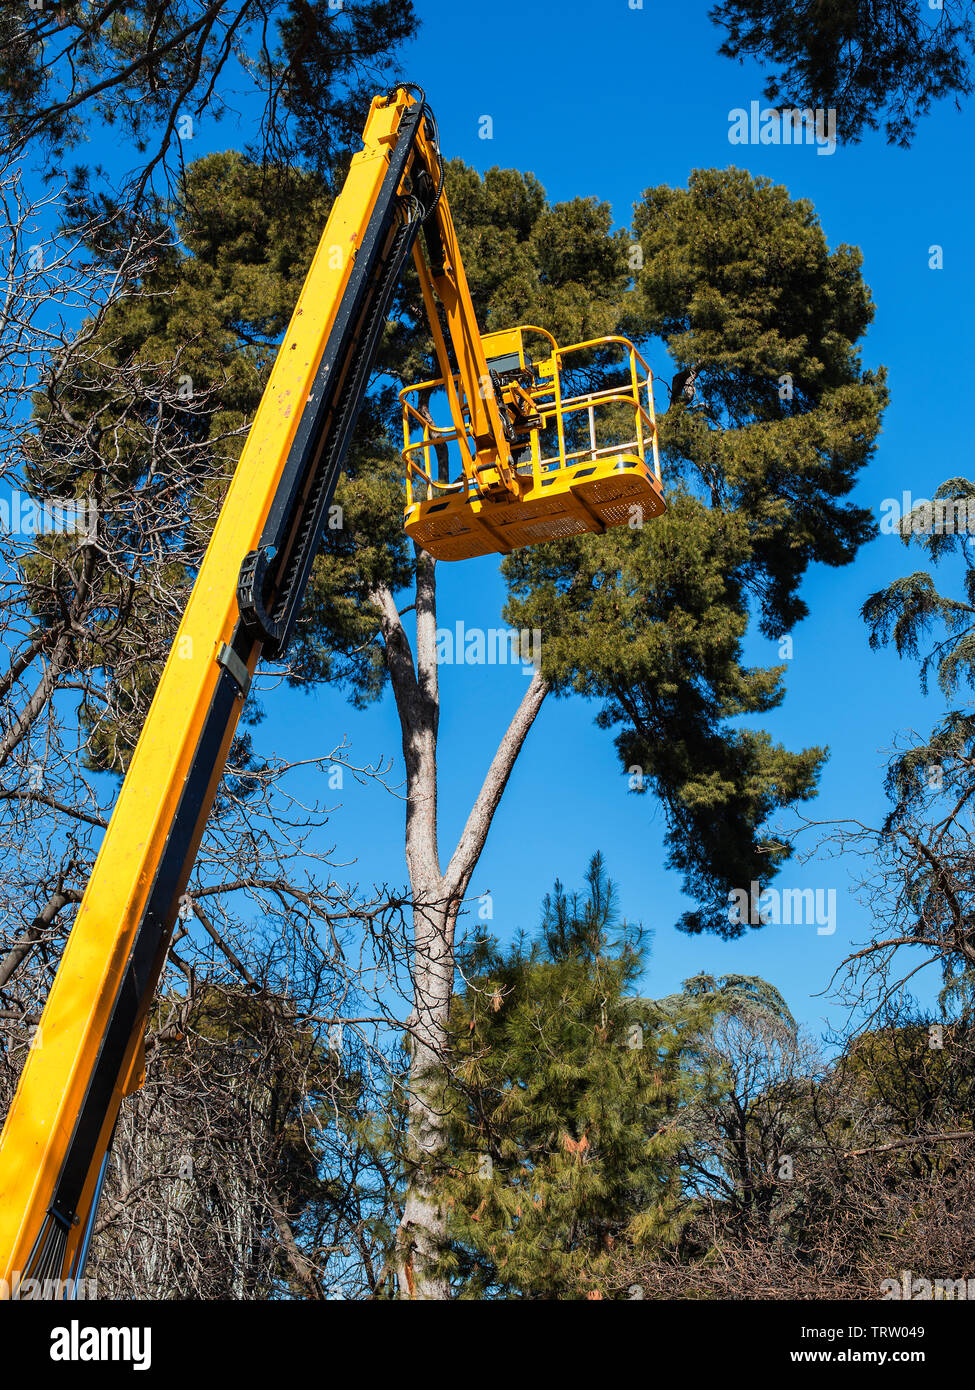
[574, 461]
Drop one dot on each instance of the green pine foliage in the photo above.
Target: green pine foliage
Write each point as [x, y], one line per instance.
[738, 282]
[563, 1131]
[144, 68]
[880, 65]
[937, 631]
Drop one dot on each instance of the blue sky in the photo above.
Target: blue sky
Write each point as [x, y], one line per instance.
[600, 99]
[603, 100]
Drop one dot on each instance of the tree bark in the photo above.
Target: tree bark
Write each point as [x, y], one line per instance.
[437, 896]
[17, 954]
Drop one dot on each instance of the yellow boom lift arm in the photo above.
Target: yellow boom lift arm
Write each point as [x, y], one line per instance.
[522, 480]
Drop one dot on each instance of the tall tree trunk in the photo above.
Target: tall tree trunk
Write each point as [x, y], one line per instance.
[437, 896]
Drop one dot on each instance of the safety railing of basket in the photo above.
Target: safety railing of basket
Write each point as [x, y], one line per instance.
[551, 406]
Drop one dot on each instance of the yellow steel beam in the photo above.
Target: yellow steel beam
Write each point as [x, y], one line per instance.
[52, 1086]
[454, 293]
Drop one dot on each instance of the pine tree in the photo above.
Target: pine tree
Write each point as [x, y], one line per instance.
[738, 282]
[739, 286]
[878, 65]
[153, 71]
[909, 612]
[564, 1108]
